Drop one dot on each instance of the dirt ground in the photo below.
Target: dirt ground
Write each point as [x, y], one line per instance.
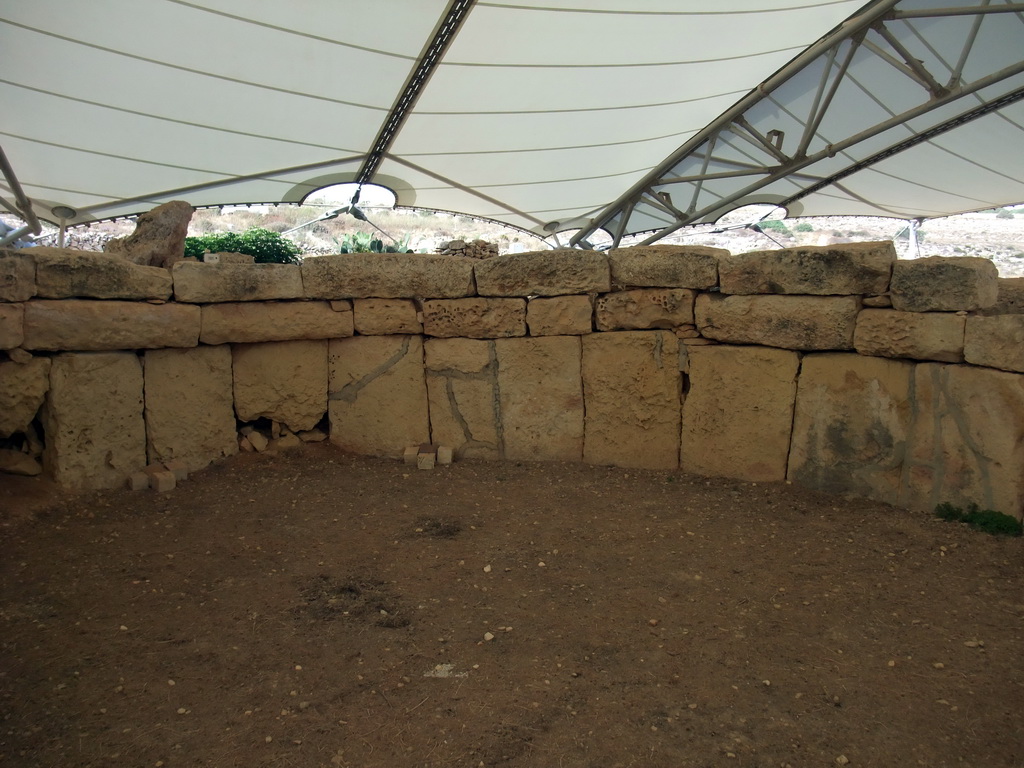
[320, 609]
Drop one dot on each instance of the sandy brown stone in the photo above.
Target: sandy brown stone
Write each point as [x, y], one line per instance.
[790, 322]
[665, 266]
[23, 388]
[12, 325]
[285, 381]
[62, 273]
[644, 308]
[17, 463]
[159, 236]
[87, 325]
[378, 394]
[387, 276]
[273, 321]
[95, 432]
[965, 443]
[850, 426]
[996, 341]
[189, 413]
[541, 398]
[851, 268]
[382, 317]
[738, 413]
[633, 391]
[917, 335]
[201, 283]
[462, 388]
[944, 284]
[17, 275]
[1010, 300]
[543, 273]
[474, 318]
[560, 316]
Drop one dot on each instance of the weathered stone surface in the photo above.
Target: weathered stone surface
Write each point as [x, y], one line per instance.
[387, 276]
[826, 270]
[12, 325]
[918, 335]
[95, 432]
[996, 341]
[541, 398]
[632, 399]
[226, 257]
[23, 388]
[738, 413]
[665, 266]
[462, 388]
[201, 283]
[644, 308]
[382, 317]
[544, 273]
[159, 236]
[284, 381]
[944, 284]
[475, 318]
[851, 423]
[62, 273]
[1010, 300]
[790, 322]
[17, 276]
[965, 443]
[273, 321]
[378, 394]
[189, 413]
[82, 324]
[18, 463]
[560, 316]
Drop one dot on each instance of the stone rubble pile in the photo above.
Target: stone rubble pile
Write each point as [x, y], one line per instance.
[838, 368]
[474, 249]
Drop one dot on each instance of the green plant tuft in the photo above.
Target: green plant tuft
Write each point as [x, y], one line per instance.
[364, 242]
[987, 520]
[264, 246]
[803, 226]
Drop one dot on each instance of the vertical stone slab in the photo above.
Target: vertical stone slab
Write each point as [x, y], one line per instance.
[190, 413]
[851, 423]
[378, 394]
[632, 391]
[966, 443]
[285, 381]
[738, 413]
[92, 420]
[541, 397]
[22, 391]
[462, 389]
[12, 325]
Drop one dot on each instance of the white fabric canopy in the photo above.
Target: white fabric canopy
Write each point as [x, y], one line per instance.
[542, 114]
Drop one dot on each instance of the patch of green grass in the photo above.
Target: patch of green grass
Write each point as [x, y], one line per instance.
[987, 520]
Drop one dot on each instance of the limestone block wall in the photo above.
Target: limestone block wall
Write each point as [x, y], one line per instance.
[837, 368]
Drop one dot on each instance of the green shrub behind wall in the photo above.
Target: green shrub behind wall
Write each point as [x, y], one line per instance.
[264, 246]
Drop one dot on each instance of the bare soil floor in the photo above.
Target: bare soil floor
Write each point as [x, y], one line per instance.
[319, 609]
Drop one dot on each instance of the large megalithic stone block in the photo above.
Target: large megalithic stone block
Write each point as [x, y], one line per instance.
[23, 387]
[944, 284]
[254, 321]
[93, 420]
[917, 335]
[63, 274]
[190, 414]
[804, 323]
[12, 325]
[17, 276]
[996, 342]
[851, 425]
[200, 283]
[543, 273]
[965, 442]
[462, 387]
[827, 270]
[474, 318]
[387, 276]
[540, 395]
[87, 325]
[284, 381]
[632, 391]
[644, 308]
[738, 413]
[665, 266]
[378, 394]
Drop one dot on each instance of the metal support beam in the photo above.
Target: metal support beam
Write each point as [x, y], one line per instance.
[22, 205]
